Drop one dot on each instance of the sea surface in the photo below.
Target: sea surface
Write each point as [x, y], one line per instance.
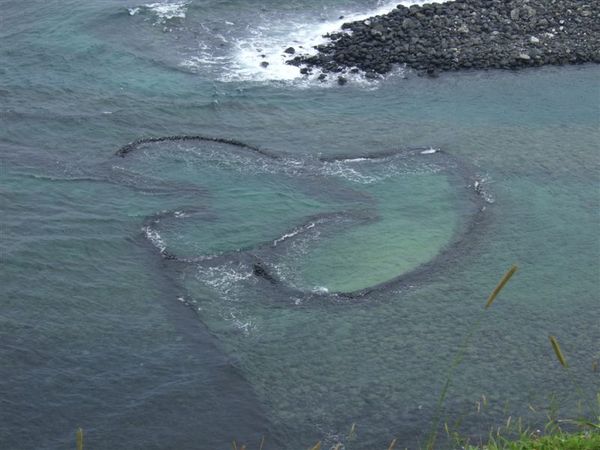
[379, 216]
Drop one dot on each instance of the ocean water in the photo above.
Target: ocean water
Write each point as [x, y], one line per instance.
[129, 304]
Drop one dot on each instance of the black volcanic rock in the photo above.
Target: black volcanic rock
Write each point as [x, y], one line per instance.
[465, 34]
[260, 271]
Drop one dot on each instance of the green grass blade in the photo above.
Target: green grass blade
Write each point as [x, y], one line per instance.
[507, 276]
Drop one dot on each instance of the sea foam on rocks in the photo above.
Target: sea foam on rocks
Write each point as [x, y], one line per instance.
[463, 34]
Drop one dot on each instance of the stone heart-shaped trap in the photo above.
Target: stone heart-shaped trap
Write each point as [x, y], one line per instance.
[341, 226]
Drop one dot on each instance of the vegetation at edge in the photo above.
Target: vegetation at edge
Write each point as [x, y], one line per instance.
[561, 441]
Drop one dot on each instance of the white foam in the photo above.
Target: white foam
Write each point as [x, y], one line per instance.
[292, 234]
[272, 40]
[479, 185]
[340, 169]
[286, 236]
[223, 278]
[245, 325]
[156, 239]
[164, 11]
[167, 11]
[320, 290]
[351, 160]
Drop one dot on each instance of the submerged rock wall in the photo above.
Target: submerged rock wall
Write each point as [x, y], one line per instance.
[258, 256]
[464, 34]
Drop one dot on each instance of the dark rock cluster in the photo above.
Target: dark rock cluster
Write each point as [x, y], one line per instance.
[464, 34]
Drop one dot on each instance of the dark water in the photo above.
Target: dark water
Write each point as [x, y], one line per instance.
[98, 330]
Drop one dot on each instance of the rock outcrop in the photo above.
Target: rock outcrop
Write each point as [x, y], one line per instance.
[464, 34]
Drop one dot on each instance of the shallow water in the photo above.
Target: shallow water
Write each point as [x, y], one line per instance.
[99, 331]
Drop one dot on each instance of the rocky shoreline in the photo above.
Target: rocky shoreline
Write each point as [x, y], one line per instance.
[462, 34]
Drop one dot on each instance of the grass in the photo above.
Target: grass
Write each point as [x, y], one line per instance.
[460, 354]
[557, 441]
[527, 440]
[79, 439]
[581, 434]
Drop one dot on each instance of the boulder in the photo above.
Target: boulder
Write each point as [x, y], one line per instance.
[260, 271]
[463, 34]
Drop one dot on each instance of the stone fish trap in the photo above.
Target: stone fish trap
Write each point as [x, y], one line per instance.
[260, 269]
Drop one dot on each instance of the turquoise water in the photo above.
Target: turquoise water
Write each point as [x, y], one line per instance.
[98, 330]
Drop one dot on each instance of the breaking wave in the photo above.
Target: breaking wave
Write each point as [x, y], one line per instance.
[251, 46]
[161, 11]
